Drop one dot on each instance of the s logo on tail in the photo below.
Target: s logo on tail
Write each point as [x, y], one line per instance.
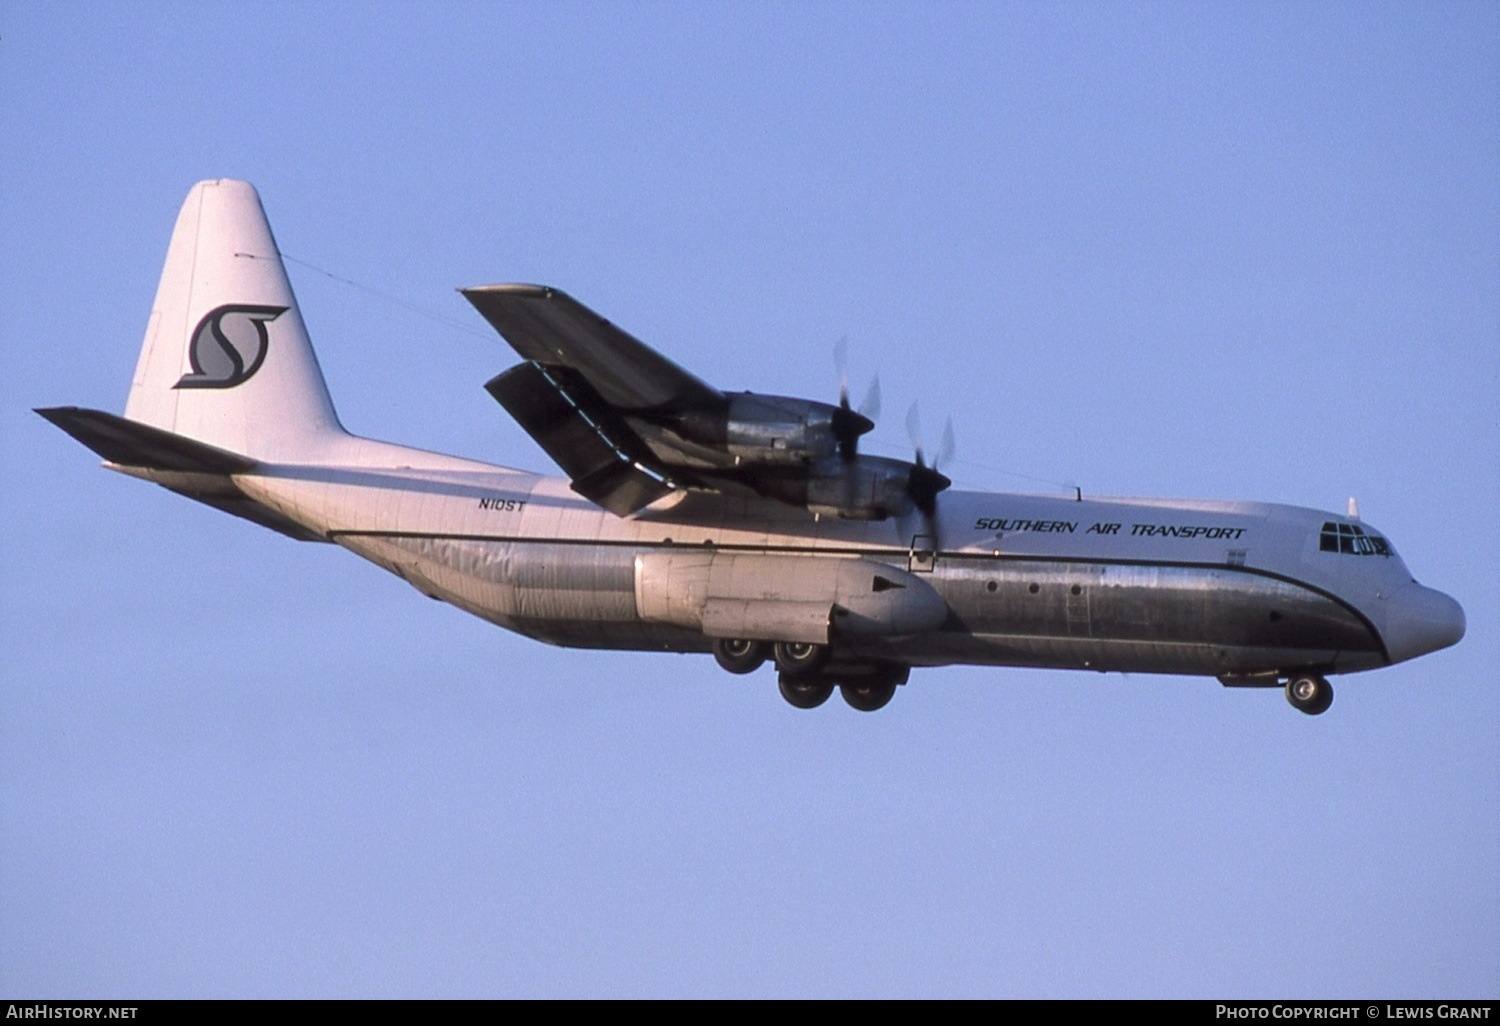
[229, 345]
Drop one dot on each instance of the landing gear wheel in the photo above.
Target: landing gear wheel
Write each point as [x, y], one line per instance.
[800, 658]
[805, 692]
[737, 655]
[874, 688]
[868, 693]
[1309, 693]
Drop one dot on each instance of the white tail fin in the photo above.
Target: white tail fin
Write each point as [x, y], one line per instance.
[227, 359]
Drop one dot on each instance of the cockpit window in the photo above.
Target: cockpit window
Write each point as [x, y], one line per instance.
[1351, 539]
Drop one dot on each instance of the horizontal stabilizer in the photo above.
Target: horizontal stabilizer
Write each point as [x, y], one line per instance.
[195, 469]
[131, 444]
[591, 447]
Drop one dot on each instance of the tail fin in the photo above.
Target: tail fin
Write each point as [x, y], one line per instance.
[227, 360]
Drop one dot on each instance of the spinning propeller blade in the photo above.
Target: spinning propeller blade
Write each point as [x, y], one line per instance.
[848, 425]
[926, 482]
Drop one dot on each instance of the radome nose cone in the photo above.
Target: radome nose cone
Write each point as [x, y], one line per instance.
[1420, 620]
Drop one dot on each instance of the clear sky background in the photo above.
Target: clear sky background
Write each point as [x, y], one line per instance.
[1228, 251]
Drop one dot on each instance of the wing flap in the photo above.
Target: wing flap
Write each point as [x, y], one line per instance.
[621, 488]
[594, 448]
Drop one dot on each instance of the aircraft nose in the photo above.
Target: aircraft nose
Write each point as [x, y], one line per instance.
[1420, 620]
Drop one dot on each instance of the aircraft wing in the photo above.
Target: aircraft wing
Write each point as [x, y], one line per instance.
[594, 397]
[553, 329]
[628, 426]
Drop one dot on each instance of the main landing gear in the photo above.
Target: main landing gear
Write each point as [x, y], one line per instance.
[866, 688]
[805, 692]
[1309, 693]
[738, 655]
[870, 691]
[800, 659]
[806, 678]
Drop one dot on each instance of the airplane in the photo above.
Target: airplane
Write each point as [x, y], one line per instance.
[748, 526]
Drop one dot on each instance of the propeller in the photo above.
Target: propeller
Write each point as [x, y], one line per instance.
[926, 482]
[849, 424]
[870, 407]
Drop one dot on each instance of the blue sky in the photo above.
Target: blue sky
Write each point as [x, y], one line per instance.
[1245, 251]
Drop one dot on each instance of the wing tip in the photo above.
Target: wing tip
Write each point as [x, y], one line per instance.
[520, 289]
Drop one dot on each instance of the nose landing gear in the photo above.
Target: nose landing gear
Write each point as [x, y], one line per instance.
[1309, 693]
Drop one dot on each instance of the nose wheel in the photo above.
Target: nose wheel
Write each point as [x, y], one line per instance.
[1309, 693]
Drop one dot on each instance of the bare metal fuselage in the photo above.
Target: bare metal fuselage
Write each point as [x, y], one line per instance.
[1226, 589]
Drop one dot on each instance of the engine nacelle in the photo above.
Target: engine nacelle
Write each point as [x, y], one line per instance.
[773, 429]
[867, 488]
[870, 488]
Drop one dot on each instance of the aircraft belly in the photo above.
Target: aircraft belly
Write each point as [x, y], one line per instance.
[1164, 619]
[518, 579]
[581, 596]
